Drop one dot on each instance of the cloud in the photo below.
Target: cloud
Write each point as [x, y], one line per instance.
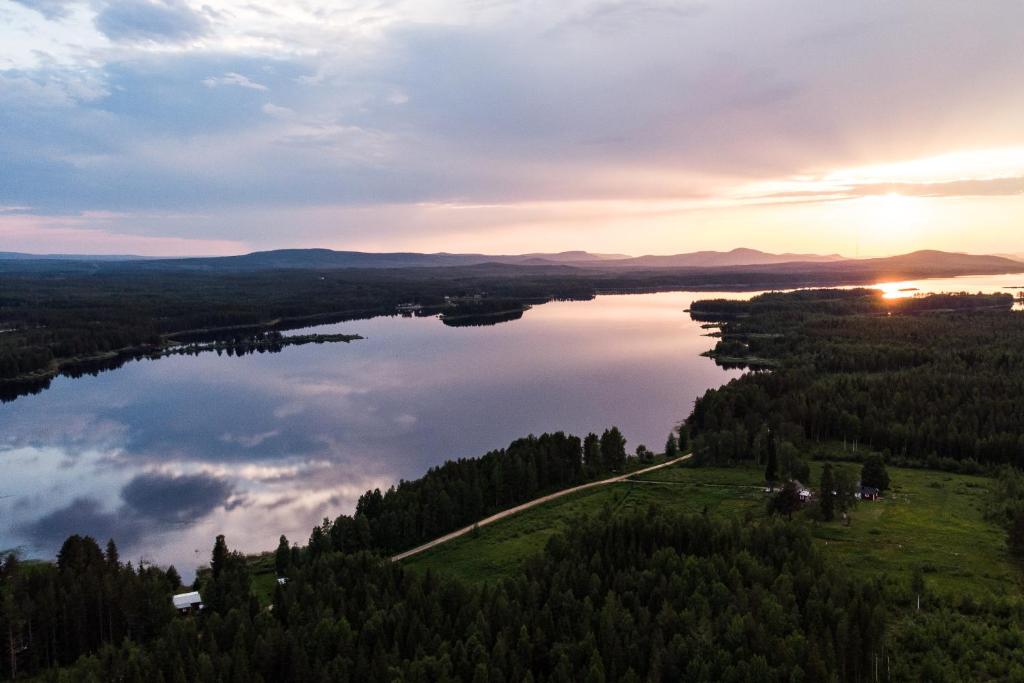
[615, 15]
[249, 440]
[81, 516]
[152, 504]
[157, 21]
[992, 187]
[232, 78]
[48, 88]
[406, 420]
[987, 187]
[51, 9]
[384, 108]
[288, 410]
[183, 499]
[277, 112]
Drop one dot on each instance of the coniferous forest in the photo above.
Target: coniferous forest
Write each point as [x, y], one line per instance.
[639, 597]
[79, 316]
[634, 596]
[932, 381]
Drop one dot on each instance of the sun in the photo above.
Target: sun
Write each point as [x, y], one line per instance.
[890, 221]
[894, 211]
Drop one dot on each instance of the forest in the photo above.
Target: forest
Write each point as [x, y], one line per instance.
[56, 315]
[638, 595]
[52, 613]
[460, 492]
[928, 381]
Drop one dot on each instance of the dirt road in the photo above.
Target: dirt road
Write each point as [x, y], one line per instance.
[526, 506]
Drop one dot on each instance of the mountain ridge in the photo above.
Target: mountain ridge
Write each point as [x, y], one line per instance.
[567, 262]
[323, 257]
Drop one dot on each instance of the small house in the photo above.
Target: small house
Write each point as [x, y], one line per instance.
[869, 493]
[187, 603]
[804, 492]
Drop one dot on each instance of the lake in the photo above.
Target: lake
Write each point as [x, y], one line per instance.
[163, 455]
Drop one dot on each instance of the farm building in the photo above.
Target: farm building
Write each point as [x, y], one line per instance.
[187, 603]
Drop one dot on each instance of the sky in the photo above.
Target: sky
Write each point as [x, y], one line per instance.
[173, 127]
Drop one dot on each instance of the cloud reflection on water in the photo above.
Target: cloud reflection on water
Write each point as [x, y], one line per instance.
[164, 455]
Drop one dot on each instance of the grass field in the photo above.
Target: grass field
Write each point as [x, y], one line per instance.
[931, 520]
[497, 550]
[264, 577]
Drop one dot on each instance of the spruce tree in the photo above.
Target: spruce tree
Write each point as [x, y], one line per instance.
[113, 560]
[787, 501]
[613, 449]
[671, 447]
[684, 439]
[219, 557]
[173, 578]
[592, 453]
[828, 495]
[282, 556]
[771, 470]
[873, 473]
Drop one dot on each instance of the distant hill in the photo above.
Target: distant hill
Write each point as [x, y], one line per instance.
[713, 259]
[931, 258]
[709, 266]
[917, 264]
[328, 258]
[568, 257]
[19, 256]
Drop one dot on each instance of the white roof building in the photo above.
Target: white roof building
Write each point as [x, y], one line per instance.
[187, 600]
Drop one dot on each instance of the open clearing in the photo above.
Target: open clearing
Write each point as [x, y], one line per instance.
[931, 520]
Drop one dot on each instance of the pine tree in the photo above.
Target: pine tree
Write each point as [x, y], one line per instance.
[873, 473]
[613, 449]
[771, 470]
[592, 453]
[113, 560]
[671, 447]
[173, 577]
[787, 501]
[684, 439]
[220, 556]
[282, 556]
[828, 495]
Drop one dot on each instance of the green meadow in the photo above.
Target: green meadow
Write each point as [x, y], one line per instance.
[929, 520]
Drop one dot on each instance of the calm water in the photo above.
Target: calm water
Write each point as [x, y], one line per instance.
[163, 455]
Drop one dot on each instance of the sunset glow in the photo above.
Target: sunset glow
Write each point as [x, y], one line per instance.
[179, 127]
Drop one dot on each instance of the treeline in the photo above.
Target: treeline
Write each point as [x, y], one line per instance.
[798, 305]
[71, 310]
[633, 597]
[461, 492]
[53, 311]
[939, 389]
[636, 596]
[52, 613]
